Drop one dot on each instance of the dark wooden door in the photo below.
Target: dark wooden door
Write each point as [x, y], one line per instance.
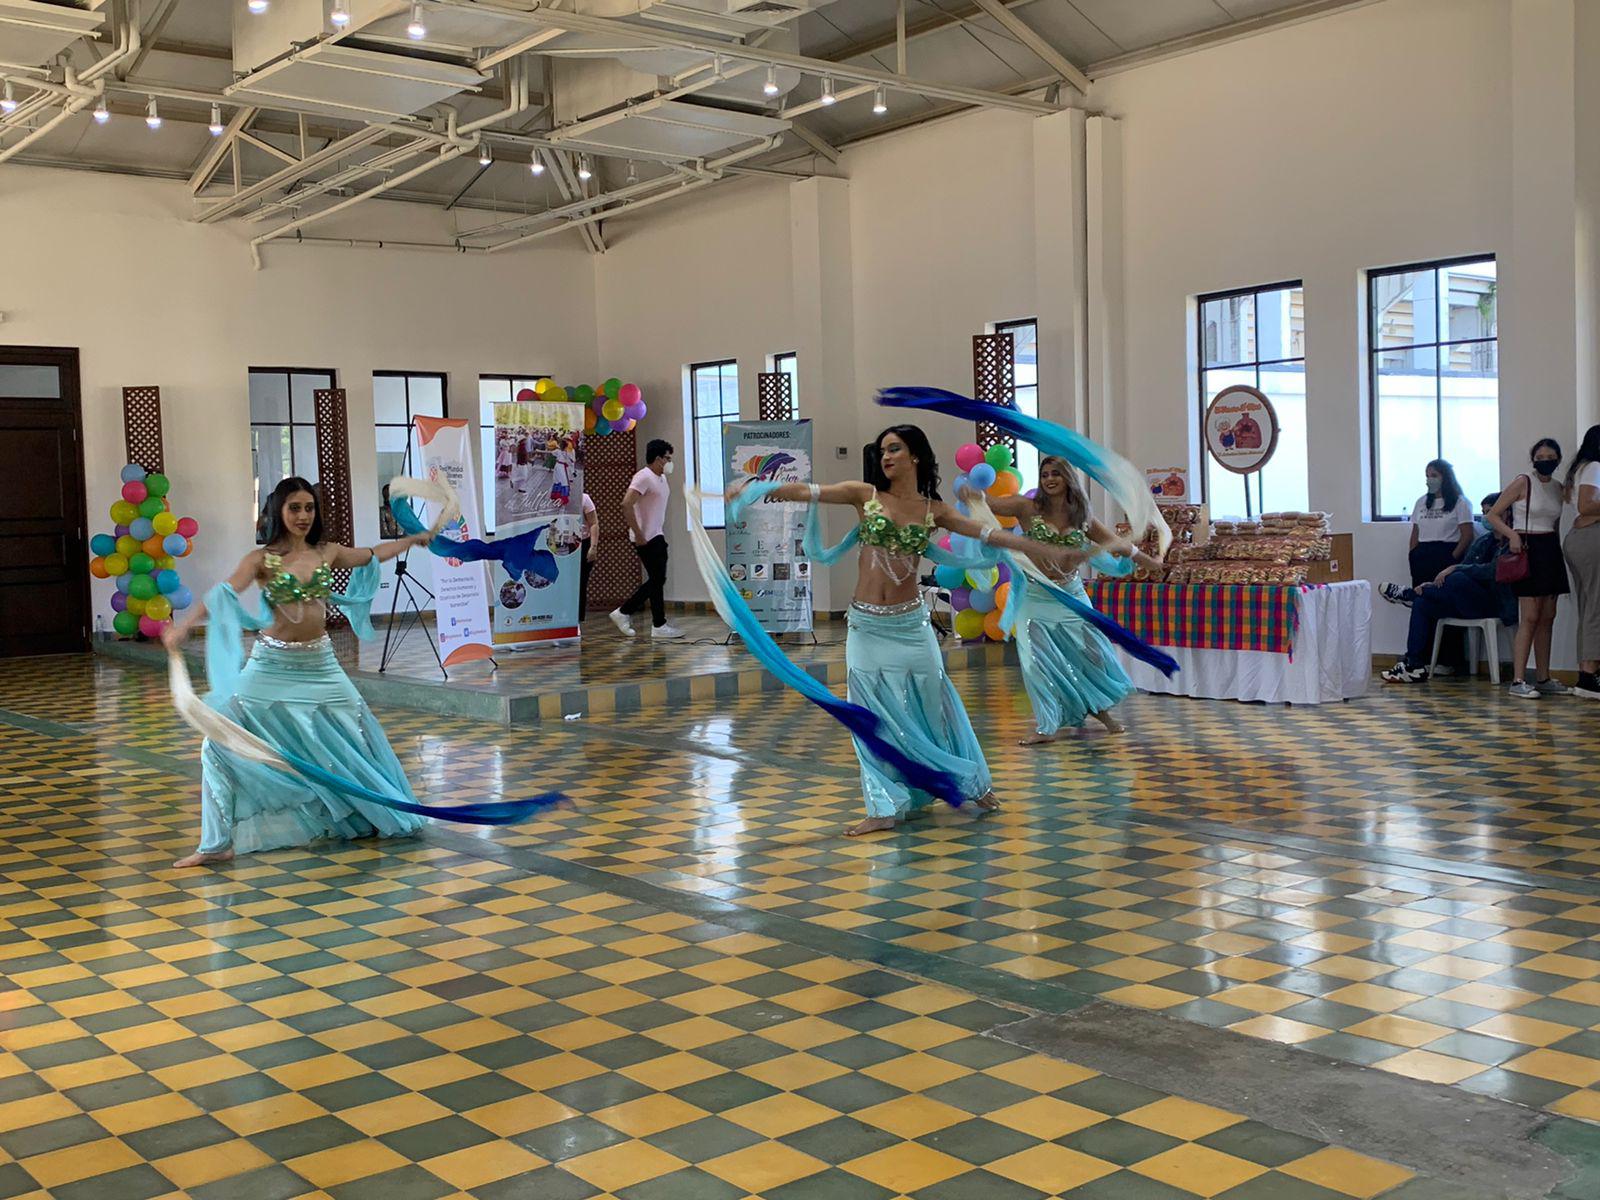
[44, 560]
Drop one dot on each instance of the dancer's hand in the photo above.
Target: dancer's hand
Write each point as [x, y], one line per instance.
[173, 636]
[1057, 560]
[970, 495]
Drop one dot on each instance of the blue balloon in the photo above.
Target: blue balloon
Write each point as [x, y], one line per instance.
[982, 477]
[168, 582]
[132, 473]
[124, 581]
[950, 577]
[175, 544]
[102, 544]
[960, 544]
[982, 601]
[181, 597]
[141, 528]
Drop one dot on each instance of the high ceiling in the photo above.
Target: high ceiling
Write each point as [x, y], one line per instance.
[1016, 52]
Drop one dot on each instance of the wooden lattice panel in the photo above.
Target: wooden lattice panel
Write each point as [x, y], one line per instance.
[775, 396]
[333, 461]
[141, 427]
[994, 381]
[609, 462]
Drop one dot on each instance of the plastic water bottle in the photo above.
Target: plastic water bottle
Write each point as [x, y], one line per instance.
[99, 626]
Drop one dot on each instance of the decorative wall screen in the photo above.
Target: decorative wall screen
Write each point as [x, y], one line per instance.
[775, 396]
[141, 427]
[609, 464]
[333, 464]
[994, 381]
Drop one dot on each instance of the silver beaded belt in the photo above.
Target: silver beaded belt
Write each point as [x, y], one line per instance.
[323, 641]
[886, 610]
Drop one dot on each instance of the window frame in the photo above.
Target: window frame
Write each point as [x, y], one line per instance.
[1202, 369]
[291, 424]
[444, 404]
[693, 398]
[1375, 512]
[486, 480]
[1011, 327]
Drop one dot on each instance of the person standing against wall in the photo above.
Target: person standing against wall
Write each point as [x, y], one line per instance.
[590, 549]
[1527, 515]
[1582, 549]
[644, 508]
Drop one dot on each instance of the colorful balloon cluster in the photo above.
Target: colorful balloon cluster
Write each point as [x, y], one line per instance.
[142, 554]
[978, 598]
[614, 406]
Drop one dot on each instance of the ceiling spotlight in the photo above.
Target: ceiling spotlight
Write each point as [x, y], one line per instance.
[102, 114]
[152, 117]
[827, 90]
[536, 165]
[8, 101]
[258, 6]
[770, 87]
[633, 175]
[585, 173]
[340, 15]
[485, 159]
[416, 31]
[216, 121]
[880, 103]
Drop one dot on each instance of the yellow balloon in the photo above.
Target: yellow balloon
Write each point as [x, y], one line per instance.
[127, 545]
[158, 608]
[612, 410]
[969, 624]
[136, 606]
[983, 579]
[542, 386]
[164, 523]
[116, 564]
[166, 563]
[556, 395]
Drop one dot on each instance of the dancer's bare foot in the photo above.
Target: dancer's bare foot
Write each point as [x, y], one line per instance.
[988, 802]
[1110, 722]
[870, 825]
[1039, 739]
[202, 860]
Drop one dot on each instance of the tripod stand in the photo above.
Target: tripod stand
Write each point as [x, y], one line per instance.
[408, 583]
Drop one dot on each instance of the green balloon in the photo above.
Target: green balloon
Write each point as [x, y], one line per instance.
[125, 623]
[583, 393]
[142, 587]
[141, 564]
[157, 485]
[1015, 474]
[151, 505]
[998, 457]
[612, 387]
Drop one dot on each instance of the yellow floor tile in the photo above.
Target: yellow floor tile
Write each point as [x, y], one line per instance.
[211, 1163]
[1198, 1169]
[1279, 1029]
[60, 1167]
[508, 1118]
[1046, 1117]
[778, 1116]
[478, 1165]
[623, 1165]
[1347, 1172]
[763, 1166]
[1402, 1031]
[1435, 1068]
[396, 1112]
[912, 1116]
[1558, 1066]
[645, 1116]
[1049, 1168]
[1184, 1119]
[329, 1168]
[1527, 1030]
[908, 1167]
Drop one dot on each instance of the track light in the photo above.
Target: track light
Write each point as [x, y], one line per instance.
[8, 101]
[152, 117]
[416, 31]
[827, 90]
[536, 164]
[102, 114]
[216, 121]
[258, 6]
[585, 173]
[770, 87]
[340, 15]
[633, 175]
[485, 159]
[880, 102]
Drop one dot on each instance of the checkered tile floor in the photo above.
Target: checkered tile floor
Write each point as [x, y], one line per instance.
[442, 1018]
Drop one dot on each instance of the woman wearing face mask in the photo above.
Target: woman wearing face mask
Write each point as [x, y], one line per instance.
[1582, 549]
[1441, 525]
[1527, 516]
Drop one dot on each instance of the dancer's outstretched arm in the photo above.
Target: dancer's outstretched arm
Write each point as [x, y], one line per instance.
[359, 556]
[246, 573]
[1049, 557]
[854, 493]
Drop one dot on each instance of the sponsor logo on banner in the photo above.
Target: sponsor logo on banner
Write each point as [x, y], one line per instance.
[766, 544]
[461, 602]
[539, 455]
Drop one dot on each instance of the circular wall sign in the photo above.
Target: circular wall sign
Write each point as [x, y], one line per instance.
[1241, 429]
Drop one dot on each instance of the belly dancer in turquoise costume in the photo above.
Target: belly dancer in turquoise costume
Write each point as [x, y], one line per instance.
[1069, 668]
[891, 654]
[294, 695]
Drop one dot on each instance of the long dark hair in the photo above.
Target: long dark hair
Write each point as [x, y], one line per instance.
[1545, 443]
[921, 449]
[1076, 500]
[276, 531]
[1449, 489]
[1588, 452]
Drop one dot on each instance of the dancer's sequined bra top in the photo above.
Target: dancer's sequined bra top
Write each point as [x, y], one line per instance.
[285, 587]
[1040, 531]
[879, 529]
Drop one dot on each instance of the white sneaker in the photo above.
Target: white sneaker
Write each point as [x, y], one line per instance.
[1523, 690]
[667, 631]
[620, 620]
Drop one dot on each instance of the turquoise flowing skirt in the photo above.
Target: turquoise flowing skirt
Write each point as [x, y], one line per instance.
[1069, 668]
[299, 700]
[895, 669]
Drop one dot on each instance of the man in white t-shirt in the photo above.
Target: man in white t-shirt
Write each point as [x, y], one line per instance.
[644, 509]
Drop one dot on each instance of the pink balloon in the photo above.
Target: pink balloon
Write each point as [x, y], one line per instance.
[969, 456]
[135, 491]
[188, 526]
[629, 393]
[960, 599]
[944, 542]
[526, 396]
[151, 628]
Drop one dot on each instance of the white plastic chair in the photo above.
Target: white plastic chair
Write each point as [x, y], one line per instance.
[1488, 631]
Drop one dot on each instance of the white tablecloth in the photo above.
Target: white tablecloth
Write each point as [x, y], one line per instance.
[1332, 657]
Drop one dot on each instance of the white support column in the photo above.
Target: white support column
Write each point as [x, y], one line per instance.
[1060, 233]
[1587, 258]
[1104, 357]
[824, 325]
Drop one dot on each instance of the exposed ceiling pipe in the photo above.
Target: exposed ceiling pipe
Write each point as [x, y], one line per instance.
[76, 88]
[385, 244]
[583, 205]
[385, 161]
[291, 175]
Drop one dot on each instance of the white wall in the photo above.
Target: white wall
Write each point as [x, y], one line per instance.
[115, 267]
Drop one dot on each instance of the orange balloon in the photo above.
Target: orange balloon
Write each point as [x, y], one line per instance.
[97, 567]
[152, 546]
[1004, 484]
[1001, 595]
[991, 627]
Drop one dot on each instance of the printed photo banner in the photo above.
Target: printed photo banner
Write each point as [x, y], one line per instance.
[461, 593]
[765, 554]
[538, 484]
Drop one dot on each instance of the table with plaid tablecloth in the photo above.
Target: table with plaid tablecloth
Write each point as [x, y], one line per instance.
[1247, 642]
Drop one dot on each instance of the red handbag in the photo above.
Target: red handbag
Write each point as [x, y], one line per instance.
[1513, 567]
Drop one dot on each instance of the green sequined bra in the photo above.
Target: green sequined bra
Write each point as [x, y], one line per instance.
[1041, 531]
[878, 528]
[285, 587]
